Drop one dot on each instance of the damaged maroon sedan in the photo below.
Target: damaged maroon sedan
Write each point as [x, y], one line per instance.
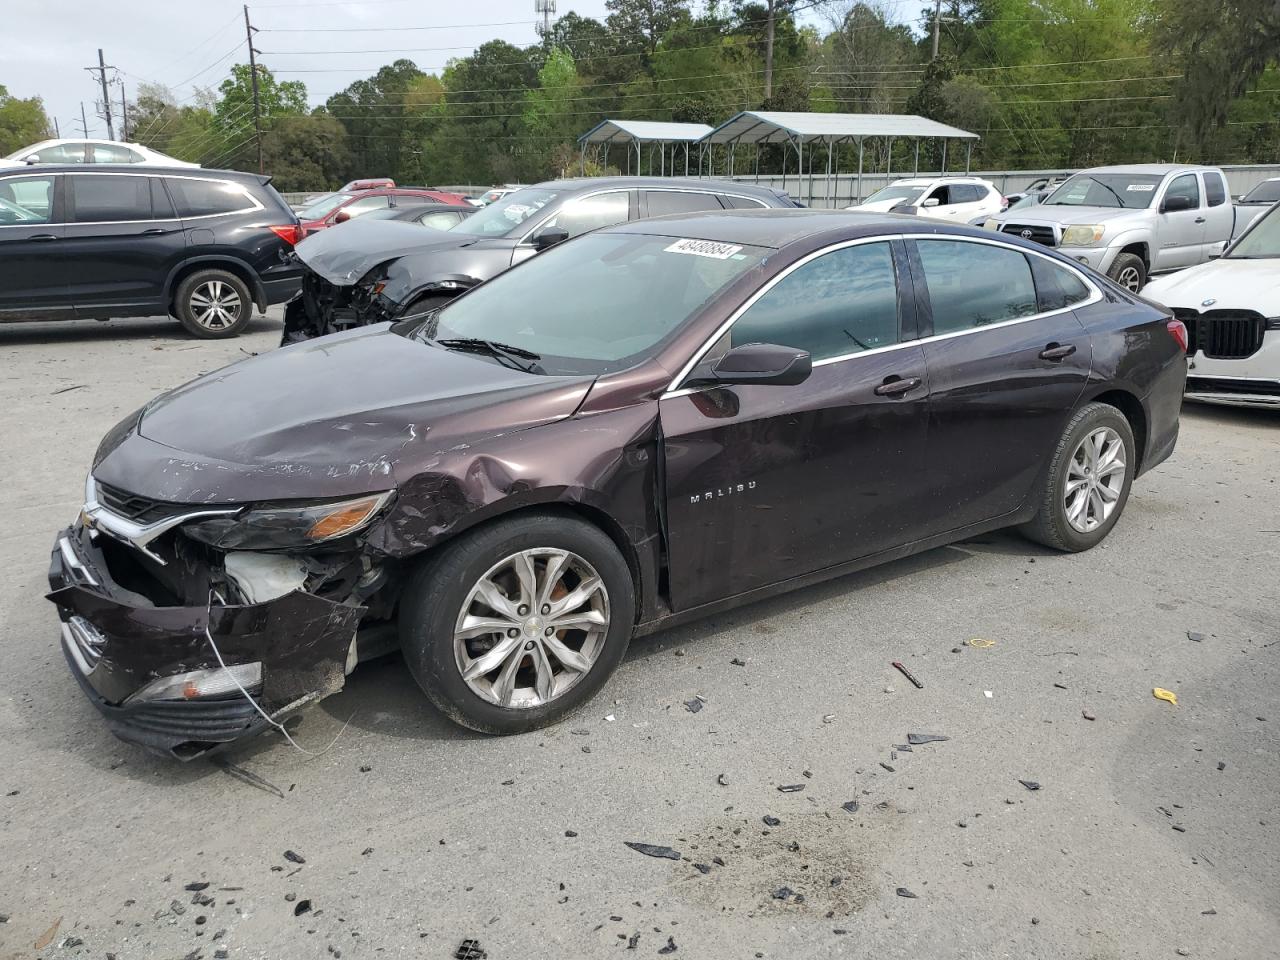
[643, 425]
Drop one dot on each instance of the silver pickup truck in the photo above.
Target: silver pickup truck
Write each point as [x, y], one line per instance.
[1134, 221]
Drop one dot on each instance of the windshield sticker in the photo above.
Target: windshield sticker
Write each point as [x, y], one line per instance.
[1140, 188]
[704, 248]
[516, 212]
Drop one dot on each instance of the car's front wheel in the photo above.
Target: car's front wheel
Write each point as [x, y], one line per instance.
[1129, 271]
[518, 623]
[1086, 486]
[213, 304]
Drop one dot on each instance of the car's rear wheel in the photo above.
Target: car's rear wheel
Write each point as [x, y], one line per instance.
[1129, 271]
[213, 304]
[518, 623]
[1086, 486]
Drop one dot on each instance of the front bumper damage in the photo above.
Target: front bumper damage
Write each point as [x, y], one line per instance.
[122, 632]
[321, 308]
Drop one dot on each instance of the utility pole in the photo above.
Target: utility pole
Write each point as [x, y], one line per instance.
[101, 70]
[768, 51]
[84, 123]
[56, 132]
[257, 105]
[124, 114]
[937, 16]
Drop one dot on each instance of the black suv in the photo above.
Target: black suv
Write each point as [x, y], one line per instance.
[374, 270]
[203, 246]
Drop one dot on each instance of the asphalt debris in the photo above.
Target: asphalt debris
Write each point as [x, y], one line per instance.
[670, 947]
[850, 807]
[1222, 764]
[632, 941]
[571, 833]
[738, 662]
[653, 850]
[301, 907]
[1030, 784]
[1087, 715]
[294, 857]
[886, 766]
[1195, 637]
[722, 780]
[694, 705]
[905, 893]
[919, 738]
[771, 821]
[702, 868]
[197, 886]
[783, 893]
[791, 788]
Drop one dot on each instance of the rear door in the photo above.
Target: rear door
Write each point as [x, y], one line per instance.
[657, 203]
[32, 271]
[1179, 233]
[766, 483]
[1007, 361]
[122, 239]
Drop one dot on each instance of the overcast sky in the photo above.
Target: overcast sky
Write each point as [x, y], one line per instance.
[184, 43]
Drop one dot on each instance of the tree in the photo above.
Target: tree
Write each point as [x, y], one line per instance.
[306, 153]
[1223, 48]
[234, 116]
[640, 25]
[482, 133]
[22, 122]
[381, 115]
[549, 112]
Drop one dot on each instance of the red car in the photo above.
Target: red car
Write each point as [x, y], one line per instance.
[342, 206]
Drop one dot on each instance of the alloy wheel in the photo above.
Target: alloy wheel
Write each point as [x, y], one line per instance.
[1130, 279]
[1095, 479]
[215, 305]
[531, 628]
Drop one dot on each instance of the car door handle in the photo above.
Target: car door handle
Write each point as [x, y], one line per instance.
[895, 386]
[43, 237]
[154, 232]
[1057, 351]
[1199, 219]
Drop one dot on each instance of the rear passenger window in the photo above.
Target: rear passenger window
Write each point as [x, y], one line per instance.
[974, 285]
[203, 198]
[1056, 286]
[161, 205]
[26, 200]
[965, 193]
[1215, 191]
[842, 302]
[110, 199]
[741, 203]
[671, 201]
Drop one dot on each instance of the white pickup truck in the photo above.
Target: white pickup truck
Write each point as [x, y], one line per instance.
[1131, 222]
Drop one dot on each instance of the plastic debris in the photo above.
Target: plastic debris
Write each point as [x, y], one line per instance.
[907, 894]
[904, 747]
[771, 821]
[1222, 764]
[850, 807]
[571, 833]
[919, 738]
[301, 907]
[722, 780]
[978, 643]
[828, 717]
[1195, 637]
[791, 788]
[702, 868]
[907, 673]
[1087, 715]
[670, 947]
[196, 886]
[469, 950]
[738, 662]
[1030, 784]
[783, 893]
[886, 766]
[988, 694]
[694, 705]
[1160, 693]
[288, 855]
[632, 941]
[653, 850]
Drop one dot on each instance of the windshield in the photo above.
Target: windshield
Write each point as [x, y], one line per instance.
[895, 191]
[1261, 242]
[502, 216]
[596, 304]
[318, 209]
[27, 151]
[1266, 192]
[1132, 191]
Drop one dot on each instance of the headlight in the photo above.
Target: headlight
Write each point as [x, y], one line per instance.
[990, 224]
[1082, 235]
[283, 526]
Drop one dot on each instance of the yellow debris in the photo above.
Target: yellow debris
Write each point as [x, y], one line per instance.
[1160, 693]
[979, 643]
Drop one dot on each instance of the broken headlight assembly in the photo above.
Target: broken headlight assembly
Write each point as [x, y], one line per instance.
[289, 525]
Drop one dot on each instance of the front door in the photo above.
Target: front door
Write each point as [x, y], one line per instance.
[32, 275]
[1007, 361]
[1179, 233]
[581, 214]
[123, 238]
[766, 483]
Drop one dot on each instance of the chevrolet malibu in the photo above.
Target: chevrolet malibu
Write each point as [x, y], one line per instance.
[644, 425]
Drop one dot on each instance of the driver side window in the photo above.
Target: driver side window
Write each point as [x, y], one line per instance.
[591, 213]
[842, 302]
[1185, 186]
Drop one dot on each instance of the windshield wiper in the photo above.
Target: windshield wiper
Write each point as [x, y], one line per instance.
[513, 356]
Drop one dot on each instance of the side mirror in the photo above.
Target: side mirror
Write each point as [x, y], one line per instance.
[904, 208]
[1176, 203]
[31, 158]
[342, 216]
[931, 202]
[549, 236]
[758, 363]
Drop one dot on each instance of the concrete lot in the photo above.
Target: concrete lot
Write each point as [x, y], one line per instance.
[417, 835]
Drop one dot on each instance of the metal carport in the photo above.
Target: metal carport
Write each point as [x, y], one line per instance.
[635, 133]
[798, 129]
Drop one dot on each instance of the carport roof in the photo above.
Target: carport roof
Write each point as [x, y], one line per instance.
[644, 131]
[759, 126]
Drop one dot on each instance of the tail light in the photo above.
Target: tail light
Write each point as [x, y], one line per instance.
[1178, 330]
[290, 233]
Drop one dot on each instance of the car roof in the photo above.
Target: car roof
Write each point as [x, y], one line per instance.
[777, 228]
[913, 181]
[149, 170]
[1150, 169]
[653, 183]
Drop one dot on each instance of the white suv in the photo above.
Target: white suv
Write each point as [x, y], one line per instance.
[90, 151]
[957, 199]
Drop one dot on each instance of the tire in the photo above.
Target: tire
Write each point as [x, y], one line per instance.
[1129, 271]
[1054, 524]
[424, 304]
[213, 304]
[514, 695]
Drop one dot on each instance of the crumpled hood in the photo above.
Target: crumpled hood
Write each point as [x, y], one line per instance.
[345, 414]
[1231, 284]
[345, 253]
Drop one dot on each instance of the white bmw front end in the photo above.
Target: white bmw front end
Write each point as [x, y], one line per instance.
[1231, 307]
